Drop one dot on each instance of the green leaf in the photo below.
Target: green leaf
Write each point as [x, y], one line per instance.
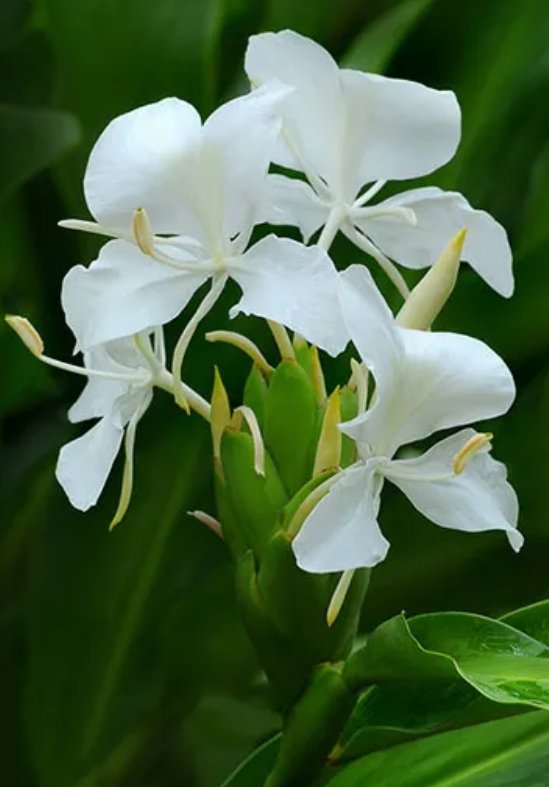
[374, 48]
[31, 140]
[505, 753]
[532, 620]
[500, 662]
[255, 768]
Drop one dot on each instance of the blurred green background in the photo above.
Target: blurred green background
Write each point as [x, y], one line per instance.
[122, 660]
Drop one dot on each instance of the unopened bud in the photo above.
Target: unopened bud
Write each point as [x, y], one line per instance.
[317, 376]
[328, 452]
[220, 413]
[27, 333]
[428, 297]
[142, 231]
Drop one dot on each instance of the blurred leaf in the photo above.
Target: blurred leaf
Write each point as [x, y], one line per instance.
[375, 46]
[255, 768]
[90, 593]
[498, 661]
[31, 139]
[505, 753]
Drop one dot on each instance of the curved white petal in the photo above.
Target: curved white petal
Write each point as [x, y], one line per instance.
[439, 216]
[479, 498]
[85, 463]
[313, 114]
[137, 162]
[395, 129]
[291, 202]
[237, 148]
[371, 326]
[446, 380]
[342, 531]
[123, 292]
[295, 285]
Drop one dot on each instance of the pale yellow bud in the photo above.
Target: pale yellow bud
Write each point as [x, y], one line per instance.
[220, 413]
[428, 297]
[328, 452]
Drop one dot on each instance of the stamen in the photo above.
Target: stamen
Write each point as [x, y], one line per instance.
[93, 228]
[307, 505]
[33, 341]
[339, 595]
[27, 333]
[469, 450]
[387, 266]
[244, 344]
[282, 340]
[127, 477]
[186, 336]
[317, 376]
[259, 447]
[328, 452]
[360, 378]
[142, 232]
[208, 520]
[371, 192]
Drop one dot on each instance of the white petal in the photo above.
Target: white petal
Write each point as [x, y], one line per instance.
[137, 162]
[439, 216]
[85, 463]
[291, 202]
[371, 325]
[396, 129]
[313, 114]
[295, 285]
[446, 380]
[123, 292]
[236, 151]
[342, 531]
[479, 498]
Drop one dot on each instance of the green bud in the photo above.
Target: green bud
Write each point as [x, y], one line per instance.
[349, 410]
[291, 424]
[255, 394]
[312, 728]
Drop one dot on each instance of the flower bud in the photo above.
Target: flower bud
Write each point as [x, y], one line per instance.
[429, 296]
[328, 451]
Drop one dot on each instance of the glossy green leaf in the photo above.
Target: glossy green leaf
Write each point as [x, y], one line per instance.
[256, 767]
[31, 140]
[374, 48]
[506, 753]
[499, 661]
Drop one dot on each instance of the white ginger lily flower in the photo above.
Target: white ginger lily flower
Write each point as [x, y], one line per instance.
[424, 382]
[347, 129]
[200, 187]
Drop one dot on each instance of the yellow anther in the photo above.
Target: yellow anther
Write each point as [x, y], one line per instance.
[469, 450]
[338, 596]
[27, 333]
[428, 297]
[142, 231]
[328, 452]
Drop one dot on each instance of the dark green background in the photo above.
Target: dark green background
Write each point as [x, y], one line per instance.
[122, 661]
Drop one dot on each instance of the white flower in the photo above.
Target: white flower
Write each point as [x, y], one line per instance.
[200, 188]
[424, 382]
[346, 129]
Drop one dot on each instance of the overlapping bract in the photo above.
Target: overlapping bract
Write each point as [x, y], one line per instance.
[180, 200]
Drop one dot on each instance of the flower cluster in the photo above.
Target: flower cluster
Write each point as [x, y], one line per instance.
[310, 146]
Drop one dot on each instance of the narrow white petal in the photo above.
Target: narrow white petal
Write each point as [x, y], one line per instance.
[396, 129]
[295, 285]
[293, 203]
[123, 292]
[138, 161]
[342, 531]
[313, 114]
[439, 216]
[478, 499]
[85, 463]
